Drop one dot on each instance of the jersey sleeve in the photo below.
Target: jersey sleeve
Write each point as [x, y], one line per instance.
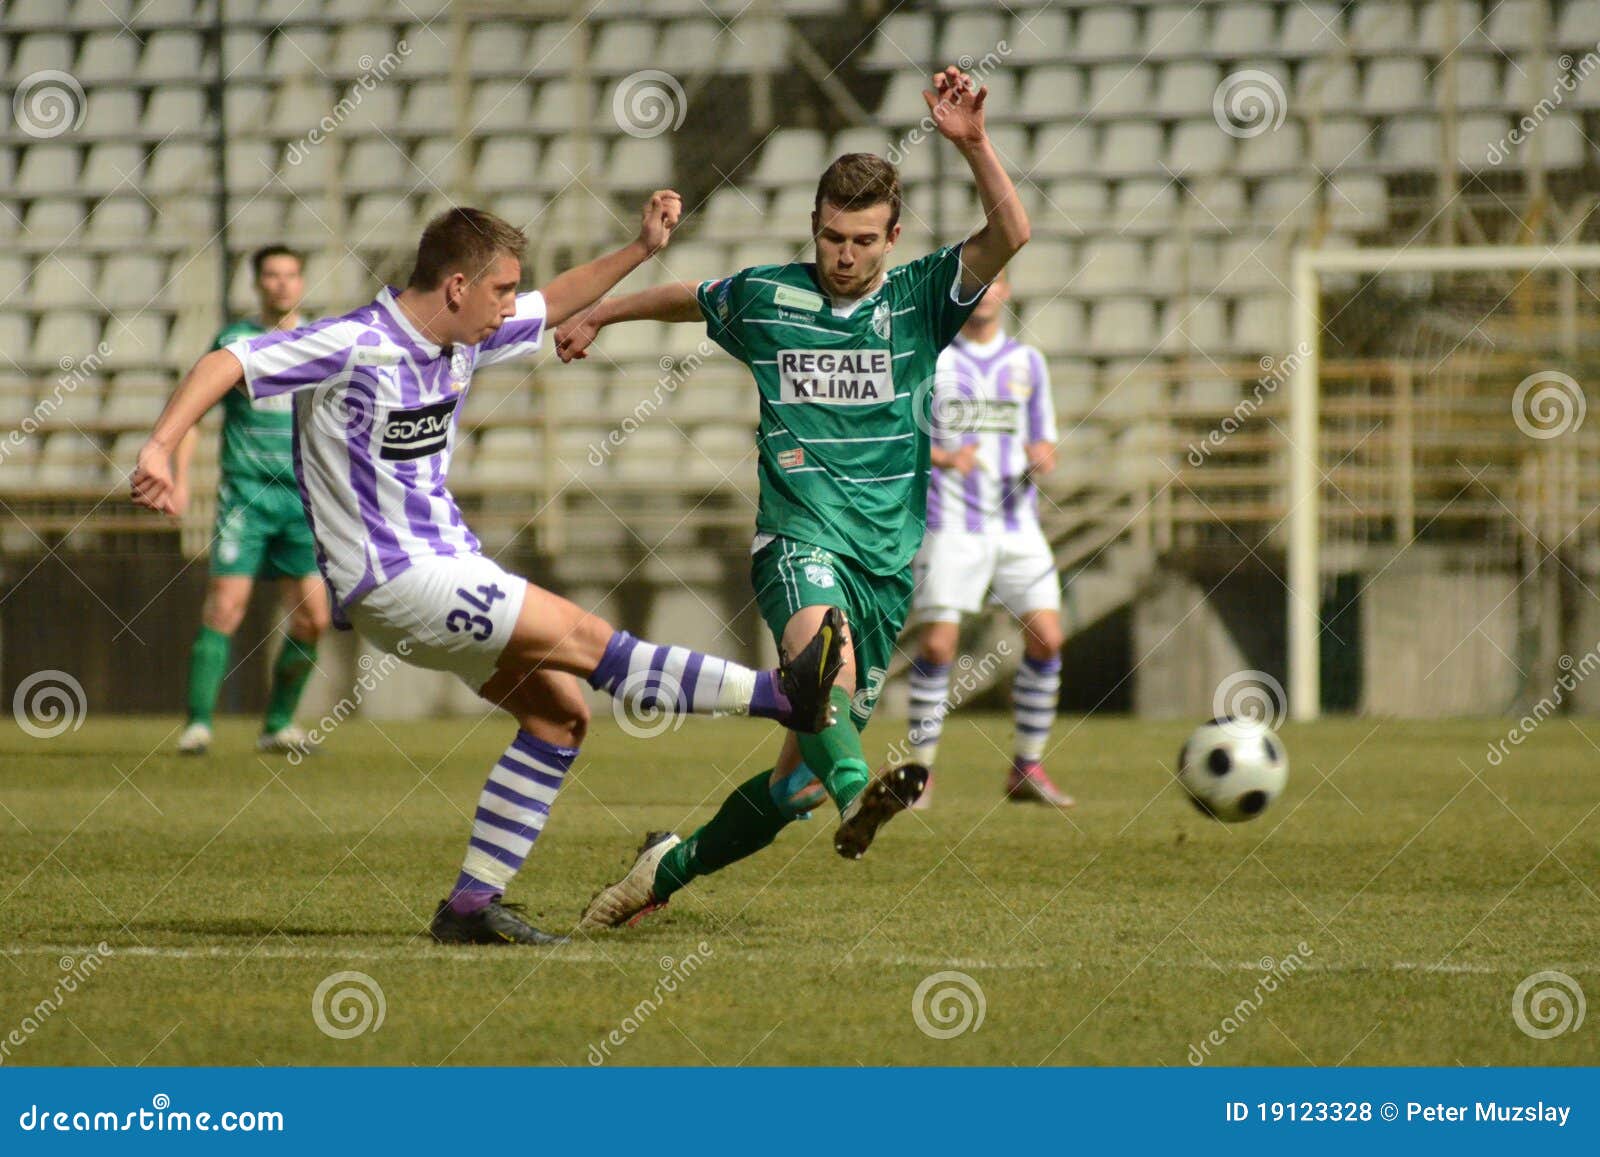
[1041, 402]
[520, 335]
[933, 284]
[282, 362]
[722, 303]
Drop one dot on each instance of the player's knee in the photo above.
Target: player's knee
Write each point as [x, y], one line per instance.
[797, 793]
[1042, 641]
[308, 623]
[939, 646]
[223, 611]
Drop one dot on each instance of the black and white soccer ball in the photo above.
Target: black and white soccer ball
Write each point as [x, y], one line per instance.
[1233, 768]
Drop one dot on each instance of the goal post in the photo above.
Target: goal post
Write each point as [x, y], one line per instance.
[1310, 270]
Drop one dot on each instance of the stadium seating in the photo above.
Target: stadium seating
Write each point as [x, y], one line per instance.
[1161, 234]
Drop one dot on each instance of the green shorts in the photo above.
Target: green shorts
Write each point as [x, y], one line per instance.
[262, 532]
[789, 575]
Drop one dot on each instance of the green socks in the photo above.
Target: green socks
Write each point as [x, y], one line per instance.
[747, 821]
[289, 675]
[837, 752]
[208, 664]
[751, 818]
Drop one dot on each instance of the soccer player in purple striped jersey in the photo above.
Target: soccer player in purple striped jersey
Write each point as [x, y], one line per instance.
[994, 433]
[376, 393]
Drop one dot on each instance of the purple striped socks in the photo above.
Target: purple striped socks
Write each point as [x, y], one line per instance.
[511, 813]
[1034, 693]
[648, 678]
[930, 686]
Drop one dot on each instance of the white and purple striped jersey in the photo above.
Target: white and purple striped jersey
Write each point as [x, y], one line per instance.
[995, 397]
[375, 407]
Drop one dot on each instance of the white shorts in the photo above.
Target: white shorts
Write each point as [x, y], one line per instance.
[954, 570]
[445, 614]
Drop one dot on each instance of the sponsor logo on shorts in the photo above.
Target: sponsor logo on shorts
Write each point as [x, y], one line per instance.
[791, 459]
[819, 576]
[417, 433]
[835, 377]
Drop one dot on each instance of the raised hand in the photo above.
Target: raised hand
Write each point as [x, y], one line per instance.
[957, 106]
[661, 215]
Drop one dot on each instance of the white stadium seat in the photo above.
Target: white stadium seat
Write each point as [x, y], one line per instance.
[1311, 29]
[173, 56]
[1175, 30]
[1243, 30]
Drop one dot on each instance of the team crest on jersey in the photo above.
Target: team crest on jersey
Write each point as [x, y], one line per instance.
[880, 320]
[1019, 386]
[460, 368]
[417, 433]
[791, 459]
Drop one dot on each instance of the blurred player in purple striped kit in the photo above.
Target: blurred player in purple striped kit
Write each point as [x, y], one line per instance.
[377, 393]
[994, 433]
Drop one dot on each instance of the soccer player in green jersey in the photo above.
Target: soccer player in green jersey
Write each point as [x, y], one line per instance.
[843, 352]
[261, 530]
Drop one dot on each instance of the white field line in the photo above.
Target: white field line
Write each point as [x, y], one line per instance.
[578, 954]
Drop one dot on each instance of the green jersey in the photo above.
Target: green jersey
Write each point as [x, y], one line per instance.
[257, 436]
[845, 399]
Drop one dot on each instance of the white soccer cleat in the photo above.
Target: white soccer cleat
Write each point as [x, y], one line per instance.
[196, 738]
[634, 895]
[284, 740]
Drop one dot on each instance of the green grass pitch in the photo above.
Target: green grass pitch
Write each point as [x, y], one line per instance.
[1396, 896]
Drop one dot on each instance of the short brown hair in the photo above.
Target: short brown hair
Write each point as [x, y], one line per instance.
[266, 253]
[463, 241]
[859, 181]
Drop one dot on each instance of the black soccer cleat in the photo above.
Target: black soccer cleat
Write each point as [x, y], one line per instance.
[891, 791]
[807, 679]
[497, 923]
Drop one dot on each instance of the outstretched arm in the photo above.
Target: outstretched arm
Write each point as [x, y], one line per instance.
[580, 287]
[672, 302]
[957, 109]
[154, 484]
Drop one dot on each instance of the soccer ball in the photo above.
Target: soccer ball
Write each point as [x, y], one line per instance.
[1233, 768]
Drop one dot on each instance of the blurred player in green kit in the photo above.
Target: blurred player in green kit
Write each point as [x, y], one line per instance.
[261, 530]
[843, 352]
